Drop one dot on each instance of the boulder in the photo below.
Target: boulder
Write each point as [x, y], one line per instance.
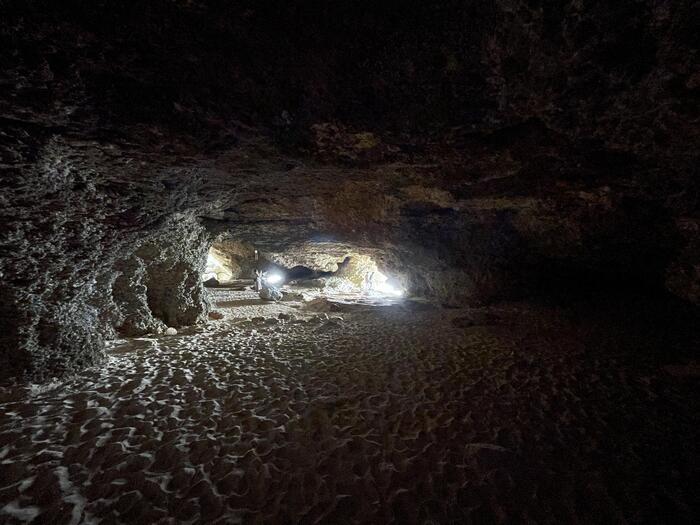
[292, 296]
[270, 294]
[321, 304]
[313, 283]
[211, 283]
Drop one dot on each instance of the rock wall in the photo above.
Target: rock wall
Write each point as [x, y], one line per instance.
[473, 149]
[174, 277]
[160, 284]
[130, 293]
[80, 252]
[238, 258]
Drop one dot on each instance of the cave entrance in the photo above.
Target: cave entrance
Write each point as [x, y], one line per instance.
[298, 282]
[356, 276]
[310, 269]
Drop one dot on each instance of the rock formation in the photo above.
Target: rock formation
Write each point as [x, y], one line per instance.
[472, 149]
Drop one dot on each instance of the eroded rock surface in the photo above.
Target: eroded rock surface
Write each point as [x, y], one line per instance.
[474, 149]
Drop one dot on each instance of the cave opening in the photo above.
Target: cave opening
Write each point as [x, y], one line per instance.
[305, 276]
[356, 275]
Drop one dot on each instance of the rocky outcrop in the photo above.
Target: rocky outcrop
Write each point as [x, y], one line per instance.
[160, 285]
[174, 289]
[71, 225]
[130, 293]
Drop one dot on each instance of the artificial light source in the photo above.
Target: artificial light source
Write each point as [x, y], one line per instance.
[273, 278]
[388, 289]
[382, 284]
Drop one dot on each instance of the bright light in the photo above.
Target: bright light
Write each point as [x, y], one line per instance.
[388, 289]
[274, 278]
[216, 269]
[381, 284]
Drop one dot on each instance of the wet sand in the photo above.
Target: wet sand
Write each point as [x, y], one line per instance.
[377, 414]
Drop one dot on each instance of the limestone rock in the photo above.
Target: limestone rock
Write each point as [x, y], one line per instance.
[471, 166]
[270, 294]
[292, 296]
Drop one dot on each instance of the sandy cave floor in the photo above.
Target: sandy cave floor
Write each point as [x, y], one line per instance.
[396, 413]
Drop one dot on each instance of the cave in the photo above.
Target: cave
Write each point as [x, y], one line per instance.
[349, 262]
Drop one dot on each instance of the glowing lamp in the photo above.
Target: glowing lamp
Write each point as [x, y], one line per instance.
[274, 278]
[388, 289]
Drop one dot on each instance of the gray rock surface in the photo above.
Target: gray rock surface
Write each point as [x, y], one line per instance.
[471, 165]
[270, 293]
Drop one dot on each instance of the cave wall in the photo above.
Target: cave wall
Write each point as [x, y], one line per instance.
[160, 285]
[73, 220]
[471, 147]
[236, 256]
[174, 288]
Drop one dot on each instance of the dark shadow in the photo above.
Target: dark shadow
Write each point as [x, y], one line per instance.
[656, 323]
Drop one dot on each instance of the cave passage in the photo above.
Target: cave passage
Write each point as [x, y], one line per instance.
[427, 262]
[343, 402]
[346, 276]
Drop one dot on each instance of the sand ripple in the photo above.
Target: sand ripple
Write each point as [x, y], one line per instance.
[386, 416]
